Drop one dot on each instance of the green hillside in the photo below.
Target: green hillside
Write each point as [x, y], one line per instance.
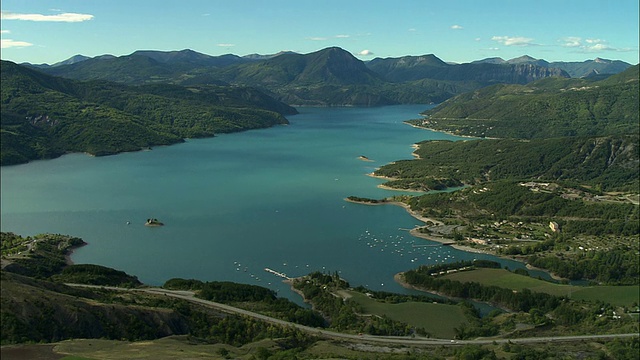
[411, 68]
[607, 163]
[545, 108]
[44, 116]
[327, 77]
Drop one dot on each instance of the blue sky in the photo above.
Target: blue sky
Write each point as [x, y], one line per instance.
[48, 31]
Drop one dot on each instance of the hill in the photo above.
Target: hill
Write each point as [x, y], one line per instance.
[141, 67]
[44, 116]
[327, 77]
[575, 69]
[330, 76]
[607, 163]
[410, 68]
[545, 108]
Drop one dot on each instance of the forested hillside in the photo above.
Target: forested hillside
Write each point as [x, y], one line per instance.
[545, 108]
[327, 77]
[45, 117]
[559, 190]
[607, 163]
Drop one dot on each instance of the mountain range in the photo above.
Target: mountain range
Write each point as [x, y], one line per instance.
[108, 104]
[582, 69]
[573, 68]
[328, 77]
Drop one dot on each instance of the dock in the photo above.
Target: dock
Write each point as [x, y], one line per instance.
[282, 275]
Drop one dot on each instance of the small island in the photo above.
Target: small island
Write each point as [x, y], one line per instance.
[153, 222]
[364, 158]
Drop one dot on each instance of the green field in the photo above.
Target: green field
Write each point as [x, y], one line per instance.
[437, 319]
[615, 295]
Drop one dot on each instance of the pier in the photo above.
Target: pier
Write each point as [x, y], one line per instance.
[282, 275]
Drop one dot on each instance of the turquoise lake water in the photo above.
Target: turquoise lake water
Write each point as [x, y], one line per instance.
[238, 203]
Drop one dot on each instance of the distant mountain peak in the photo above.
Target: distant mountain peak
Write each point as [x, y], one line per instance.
[602, 61]
[526, 59]
[256, 56]
[523, 58]
[336, 65]
[491, 60]
[72, 60]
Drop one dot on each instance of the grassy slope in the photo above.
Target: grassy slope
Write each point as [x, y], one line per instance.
[437, 319]
[615, 295]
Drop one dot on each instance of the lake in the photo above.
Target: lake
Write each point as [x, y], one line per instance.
[238, 203]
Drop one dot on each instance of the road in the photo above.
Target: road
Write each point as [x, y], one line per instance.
[380, 340]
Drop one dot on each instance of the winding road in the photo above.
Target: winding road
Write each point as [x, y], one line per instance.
[380, 340]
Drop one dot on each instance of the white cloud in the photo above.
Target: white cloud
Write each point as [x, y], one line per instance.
[477, 39]
[318, 38]
[226, 45]
[589, 45]
[571, 41]
[365, 53]
[64, 17]
[513, 40]
[412, 30]
[342, 36]
[9, 43]
[456, 27]
[5, 32]
[599, 47]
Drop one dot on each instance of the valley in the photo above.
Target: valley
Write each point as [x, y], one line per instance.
[530, 168]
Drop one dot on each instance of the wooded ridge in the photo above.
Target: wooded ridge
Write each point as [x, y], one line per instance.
[44, 117]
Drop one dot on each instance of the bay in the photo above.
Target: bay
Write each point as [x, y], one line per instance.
[236, 204]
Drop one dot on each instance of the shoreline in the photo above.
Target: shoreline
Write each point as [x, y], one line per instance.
[69, 253]
[387, 178]
[290, 282]
[449, 132]
[447, 242]
[415, 233]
